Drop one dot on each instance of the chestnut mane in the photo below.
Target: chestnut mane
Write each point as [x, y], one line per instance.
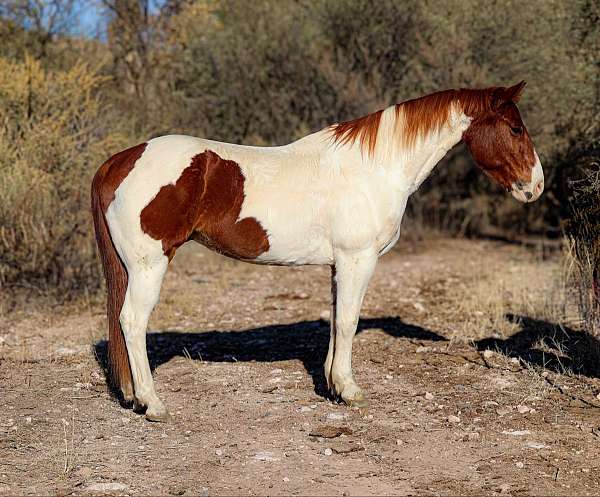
[414, 118]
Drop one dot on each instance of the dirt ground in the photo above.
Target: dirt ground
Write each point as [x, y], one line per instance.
[473, 389]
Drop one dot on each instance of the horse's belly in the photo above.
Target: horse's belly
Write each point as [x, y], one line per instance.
[305, 246]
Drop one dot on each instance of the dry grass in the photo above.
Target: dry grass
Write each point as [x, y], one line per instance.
[51, 142]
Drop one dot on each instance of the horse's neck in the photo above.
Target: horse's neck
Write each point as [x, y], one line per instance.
[412, 165]
[405, 167]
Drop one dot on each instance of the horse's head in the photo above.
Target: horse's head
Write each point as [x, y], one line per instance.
[500, 144]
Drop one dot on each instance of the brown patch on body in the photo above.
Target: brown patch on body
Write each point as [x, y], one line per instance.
[364, 129]
[204, 204]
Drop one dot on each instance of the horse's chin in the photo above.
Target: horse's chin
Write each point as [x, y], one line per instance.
[526, 196]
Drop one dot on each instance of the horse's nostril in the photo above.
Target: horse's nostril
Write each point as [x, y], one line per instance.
[539, 187]
[528, 195]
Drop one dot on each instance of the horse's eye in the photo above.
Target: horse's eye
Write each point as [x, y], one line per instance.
[516, 130]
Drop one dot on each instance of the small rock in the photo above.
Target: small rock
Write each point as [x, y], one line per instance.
[327, 451]
[516, 433]
[523, 409]
[515, 360]
[520, 465]
[488, 354]
[325, 315]
[453, 419]
[265, 456]
[399, 442]
[305, 409]
[276, 371]
[536, 445]
[419, 307]
[336, 415]
[106, 487]
[503, 411]
[428, 396]
[219, 452]
[286, 479]
[421, 349]
[471, 437]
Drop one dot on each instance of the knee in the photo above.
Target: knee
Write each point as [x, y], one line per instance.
[346, 325]
[130, 324]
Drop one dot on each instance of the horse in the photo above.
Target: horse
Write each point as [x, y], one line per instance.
[335, 197]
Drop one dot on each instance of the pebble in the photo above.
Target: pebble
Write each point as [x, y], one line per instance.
[421, 349]
[536, 445]
[286, 479]
[106, 487]
[503, 411]
[453, 419]
[327, 451]
[305, 409]
[337, 415]
[428, 395]
[520, 465]
[523, 409]
[276, 371]
[516, 433]
[265, 456]
[488, 353]
[219, 452]
[419, 307]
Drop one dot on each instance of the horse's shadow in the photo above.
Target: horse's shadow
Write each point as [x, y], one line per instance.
[538, 343]
[306, 341]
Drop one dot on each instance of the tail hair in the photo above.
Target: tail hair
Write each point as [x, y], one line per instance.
[116, 286]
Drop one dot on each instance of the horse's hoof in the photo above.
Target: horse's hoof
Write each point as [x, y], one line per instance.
[358, 401]
[354, 398]
[158, 416]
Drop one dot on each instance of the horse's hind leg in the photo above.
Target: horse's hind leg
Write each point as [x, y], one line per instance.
[143, 290]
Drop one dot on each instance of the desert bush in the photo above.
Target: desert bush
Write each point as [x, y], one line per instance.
[51, 140]
[583, 230]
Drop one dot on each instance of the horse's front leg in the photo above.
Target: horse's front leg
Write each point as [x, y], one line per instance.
[353, 271]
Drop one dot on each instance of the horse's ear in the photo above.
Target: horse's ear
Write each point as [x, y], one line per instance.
[502, 95]
[514, 92]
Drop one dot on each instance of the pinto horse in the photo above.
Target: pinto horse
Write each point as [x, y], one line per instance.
[335, 197]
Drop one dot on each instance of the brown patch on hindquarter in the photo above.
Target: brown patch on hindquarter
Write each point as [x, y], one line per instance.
[205, 204]
[112, 173]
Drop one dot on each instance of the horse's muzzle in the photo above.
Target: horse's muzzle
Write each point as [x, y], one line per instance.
[531, 191]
